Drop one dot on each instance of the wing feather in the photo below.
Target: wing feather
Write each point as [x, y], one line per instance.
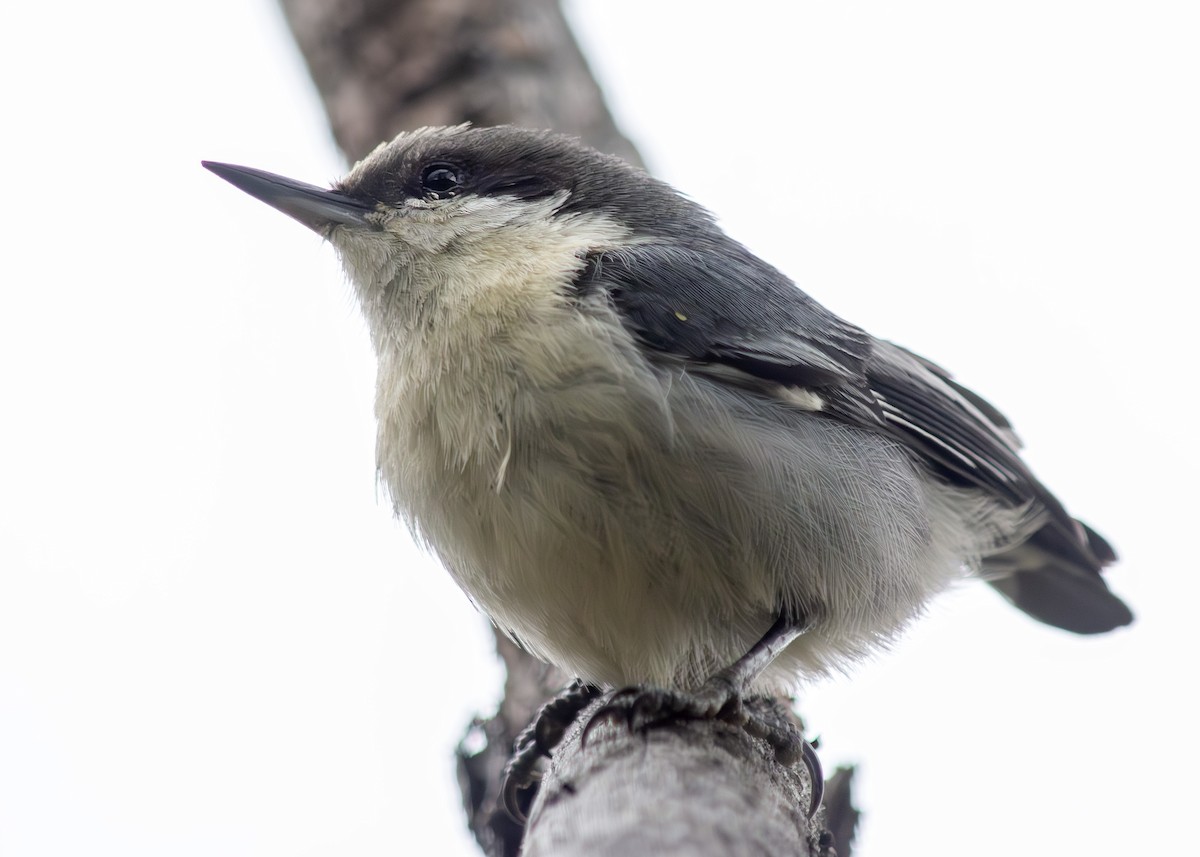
[681, 301]
[719, 308]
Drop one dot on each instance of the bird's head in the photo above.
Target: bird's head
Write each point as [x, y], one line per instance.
[475, 208]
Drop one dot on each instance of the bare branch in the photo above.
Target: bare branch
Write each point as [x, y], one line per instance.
[383, 66]
[694, 788]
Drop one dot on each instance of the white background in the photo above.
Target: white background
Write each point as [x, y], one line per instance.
[213, 638]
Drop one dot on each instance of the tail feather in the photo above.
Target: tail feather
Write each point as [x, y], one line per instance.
[1055, 578]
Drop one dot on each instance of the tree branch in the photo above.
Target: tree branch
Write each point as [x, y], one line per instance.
[698, 788]
[383, 66]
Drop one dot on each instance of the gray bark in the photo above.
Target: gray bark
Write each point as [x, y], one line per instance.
[383, 66]
[703, 789]
[841, 816]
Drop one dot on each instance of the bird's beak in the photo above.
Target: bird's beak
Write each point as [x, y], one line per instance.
[315, 207]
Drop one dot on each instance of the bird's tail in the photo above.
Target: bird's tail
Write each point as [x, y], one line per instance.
[1054, 576]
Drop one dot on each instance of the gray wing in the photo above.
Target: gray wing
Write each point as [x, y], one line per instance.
[683, 302]
[721, 306]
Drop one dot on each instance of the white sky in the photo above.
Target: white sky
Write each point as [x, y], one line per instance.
[214, 640]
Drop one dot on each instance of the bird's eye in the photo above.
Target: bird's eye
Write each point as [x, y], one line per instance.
[441, 181]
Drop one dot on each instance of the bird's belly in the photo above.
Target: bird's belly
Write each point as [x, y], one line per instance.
[653, 536]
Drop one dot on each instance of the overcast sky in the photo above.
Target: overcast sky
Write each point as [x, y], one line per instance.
[215, 640]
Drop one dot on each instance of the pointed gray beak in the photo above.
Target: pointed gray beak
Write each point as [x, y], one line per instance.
[317, 208]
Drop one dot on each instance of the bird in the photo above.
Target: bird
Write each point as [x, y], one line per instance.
[643, 451]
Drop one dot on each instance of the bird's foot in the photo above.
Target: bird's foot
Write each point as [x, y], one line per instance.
[537, 740]
[642, 708]
[720, 698]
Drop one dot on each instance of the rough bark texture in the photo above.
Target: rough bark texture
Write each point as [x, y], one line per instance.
[702, 789]
[382, 66]
[841, 816]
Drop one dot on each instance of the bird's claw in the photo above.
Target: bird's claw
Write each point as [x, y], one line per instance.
[538, 740]
[774, 722]
[644, 708]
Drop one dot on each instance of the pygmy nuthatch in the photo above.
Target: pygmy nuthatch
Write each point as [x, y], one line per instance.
[642, 450]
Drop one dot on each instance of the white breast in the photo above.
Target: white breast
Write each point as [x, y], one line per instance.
[629, 522]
